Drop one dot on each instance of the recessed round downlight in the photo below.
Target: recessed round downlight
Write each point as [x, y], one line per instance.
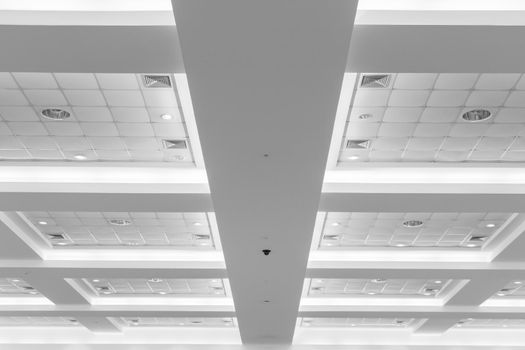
[365, 116]
[413, 223]
[55, 114]
[166, 116]
[79, 157]
[476, 115]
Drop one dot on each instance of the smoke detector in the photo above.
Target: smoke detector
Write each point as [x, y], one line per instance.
[377, 81]
[175, 144]
[156, 81]
[476, 115]
[55, 114]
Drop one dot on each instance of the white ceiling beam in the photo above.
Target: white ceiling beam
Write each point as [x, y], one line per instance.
[98, 324]
[436, 325]
[436, 49]
[265, 78]
[55, 288]
[88, 49]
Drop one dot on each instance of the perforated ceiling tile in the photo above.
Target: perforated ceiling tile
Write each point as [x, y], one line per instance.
[358, 322]
[433, 230]
[168, 287]
[16, 286]
[38, 321]
[413, 107]
[73, 108]
[377, 287]
[178, 322]
[103, 229]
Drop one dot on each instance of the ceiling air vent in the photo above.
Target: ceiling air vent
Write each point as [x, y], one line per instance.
[56, 236]
[120, 222]
[156, 81]
[175, 144]
[478, 238]
[357, 144]
[376, 81]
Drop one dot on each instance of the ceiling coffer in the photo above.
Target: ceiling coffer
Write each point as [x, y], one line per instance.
[156, 81]
[375, 81]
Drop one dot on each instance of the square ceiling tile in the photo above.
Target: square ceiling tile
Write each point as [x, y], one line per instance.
[453, 81]
[85, 98]
[46, 97]
[124, 98]
[425, 143]
[419, 156]
[386, 156]
[503, 130]
[14, 154]
[99, 129]
[115, 155]
[519, 144]
[447, 98]
[93, 114]
[39, 142]
[28, 128]
[36, 80]
[107, 143]
[160, 98]
[76, 80]
[468, 130]
[521, 83]
[494, 143]
[486, 98]
[7, 81]
[431, 130]
[390, 143]
[142, 143]
[408, 98]
[440, 115]
[10, 143]
[497, 81]
[68, 143]
[402, 114]
[486, 156]
[172, 130]
[371, 98]
[12, 98]
[18, 113]
[46, 154]
[362, 130]
[135, 129]
[510, 115]
[130, 115]
[417, 81]
[516, 99]
[4, 130]
[118, 81]
[396, 129]
[64, 129]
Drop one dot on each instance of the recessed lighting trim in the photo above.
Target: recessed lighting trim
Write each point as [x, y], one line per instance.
[166, 116]
[120, 222]
[55, 114]
[43, 223]
[365, 116]
[413, 223]
[476, 115]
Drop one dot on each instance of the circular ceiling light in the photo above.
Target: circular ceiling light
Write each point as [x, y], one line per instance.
[42, 223]
[490, 225]
[352, 157]
[476, 115]
[197, 224]
[379, 280]
[120, 222]
[79, 157]
[166, 116]
[413, 223]
[155, 280]
[400, 245]
[55, 114]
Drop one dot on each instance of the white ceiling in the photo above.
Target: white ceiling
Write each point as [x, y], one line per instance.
[409, 239]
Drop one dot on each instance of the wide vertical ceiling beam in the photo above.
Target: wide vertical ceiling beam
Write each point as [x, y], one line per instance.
[265, 79]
